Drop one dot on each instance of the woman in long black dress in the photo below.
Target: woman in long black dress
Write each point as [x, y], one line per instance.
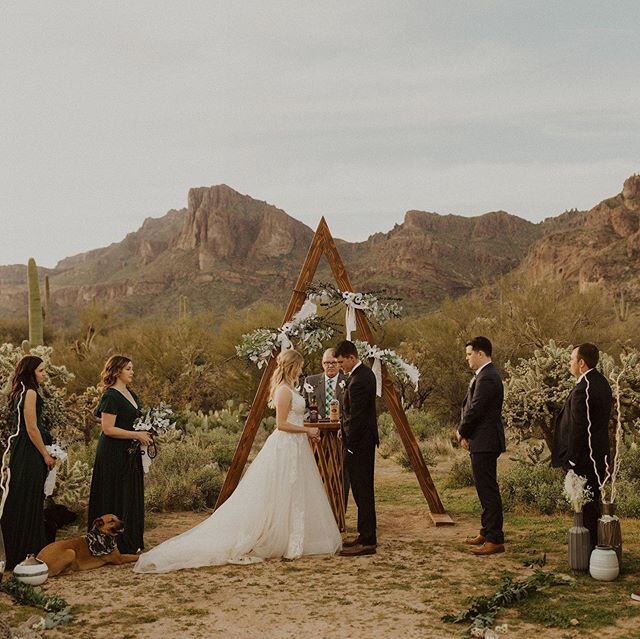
[117, 485]
[23, 514]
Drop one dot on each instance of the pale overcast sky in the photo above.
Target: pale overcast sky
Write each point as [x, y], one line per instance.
[357, 110]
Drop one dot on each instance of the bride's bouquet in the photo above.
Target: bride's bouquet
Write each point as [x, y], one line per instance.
[155, 421]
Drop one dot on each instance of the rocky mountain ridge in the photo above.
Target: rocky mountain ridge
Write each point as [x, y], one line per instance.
[228, 249]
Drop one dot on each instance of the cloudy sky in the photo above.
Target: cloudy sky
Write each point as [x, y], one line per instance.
[358, 111]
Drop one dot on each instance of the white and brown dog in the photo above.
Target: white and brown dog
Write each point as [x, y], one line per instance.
[96, 548]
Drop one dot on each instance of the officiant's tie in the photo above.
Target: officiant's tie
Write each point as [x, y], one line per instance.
[329, 391]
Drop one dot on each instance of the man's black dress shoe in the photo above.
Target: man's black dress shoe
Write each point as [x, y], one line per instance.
[358, 550]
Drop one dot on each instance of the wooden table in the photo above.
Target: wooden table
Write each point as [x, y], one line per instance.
[329, 457]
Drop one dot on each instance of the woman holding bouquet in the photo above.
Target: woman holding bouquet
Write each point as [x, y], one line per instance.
[117, 485]
[23, 514]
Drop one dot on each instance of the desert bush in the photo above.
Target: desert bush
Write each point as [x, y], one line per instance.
[403, 459]
[628, 483]
[461, 475]
[534, 488]
[183, 477]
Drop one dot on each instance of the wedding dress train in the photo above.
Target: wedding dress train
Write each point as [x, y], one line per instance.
[279, 509]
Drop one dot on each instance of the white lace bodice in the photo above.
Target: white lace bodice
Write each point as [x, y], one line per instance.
[296, 413]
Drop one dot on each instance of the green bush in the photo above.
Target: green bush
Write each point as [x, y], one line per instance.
[183, 477]
[403, 459]
[628, 483]
[630, 464]
[461, 475]
[628, 499]
[535, 488]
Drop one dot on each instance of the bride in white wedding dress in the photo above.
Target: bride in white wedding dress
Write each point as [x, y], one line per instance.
[279, 508]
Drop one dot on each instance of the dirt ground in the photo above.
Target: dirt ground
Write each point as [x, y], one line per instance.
[419, 573]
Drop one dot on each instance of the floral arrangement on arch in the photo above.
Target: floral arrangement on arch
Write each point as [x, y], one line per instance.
[401, 369]
[377, 310]
[306, 326]
[312, 331]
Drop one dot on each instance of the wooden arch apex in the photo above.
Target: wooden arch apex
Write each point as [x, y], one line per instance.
[323, 243]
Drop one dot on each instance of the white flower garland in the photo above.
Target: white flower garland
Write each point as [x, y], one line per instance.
[393, 361]
[376, 310]
[313, 331]
[305, 325]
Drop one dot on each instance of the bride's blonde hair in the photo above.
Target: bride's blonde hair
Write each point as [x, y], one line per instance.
[287, 365]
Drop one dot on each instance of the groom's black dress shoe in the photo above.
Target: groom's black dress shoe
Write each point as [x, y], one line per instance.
[358, 550]
[351, 541]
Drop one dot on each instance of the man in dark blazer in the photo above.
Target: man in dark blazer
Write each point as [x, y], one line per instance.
[481, 432]
[582, 429]
[361, 434]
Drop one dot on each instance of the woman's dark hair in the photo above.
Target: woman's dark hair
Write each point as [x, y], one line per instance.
[112, 369]
[25, 373]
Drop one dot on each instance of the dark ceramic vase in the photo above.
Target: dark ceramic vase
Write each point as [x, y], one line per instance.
[579, 545]
[609, 532]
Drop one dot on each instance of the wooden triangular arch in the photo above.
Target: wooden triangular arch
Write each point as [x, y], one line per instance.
[323, 243]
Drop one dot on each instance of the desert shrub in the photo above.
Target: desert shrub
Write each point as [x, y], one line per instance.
[424, 425]
[461, 475]
[628, 499]
[535, 488]
[390, 444]
[630, 464]
[183, 477]
[403, 459]
[628, 483]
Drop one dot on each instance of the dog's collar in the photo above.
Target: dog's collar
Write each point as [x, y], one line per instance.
[99, 543]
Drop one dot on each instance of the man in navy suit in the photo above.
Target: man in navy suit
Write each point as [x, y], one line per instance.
[361, 433]
[581, 434]
[481, 432]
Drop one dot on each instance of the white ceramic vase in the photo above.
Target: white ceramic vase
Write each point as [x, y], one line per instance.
[31, 571]
[603, 564]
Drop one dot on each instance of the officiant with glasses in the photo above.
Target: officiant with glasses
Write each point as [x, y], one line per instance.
[322, 388]
[325, 386]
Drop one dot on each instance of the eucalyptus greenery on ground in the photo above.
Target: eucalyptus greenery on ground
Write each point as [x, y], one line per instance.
[27, 595]
[483, 610]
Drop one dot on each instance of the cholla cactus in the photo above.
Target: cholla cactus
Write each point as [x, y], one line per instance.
[73, 484]
[535, 390]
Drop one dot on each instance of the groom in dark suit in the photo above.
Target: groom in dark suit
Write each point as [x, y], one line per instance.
[481, 432]
[361, 433]
[581, 434]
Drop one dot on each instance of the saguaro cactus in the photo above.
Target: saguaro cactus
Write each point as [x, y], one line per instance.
[36, 335]
[46, 309]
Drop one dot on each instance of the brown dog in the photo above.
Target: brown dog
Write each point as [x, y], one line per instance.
[95, 549]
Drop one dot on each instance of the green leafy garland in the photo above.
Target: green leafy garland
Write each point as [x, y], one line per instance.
[378, 310]
[27, 595]
[483, 610]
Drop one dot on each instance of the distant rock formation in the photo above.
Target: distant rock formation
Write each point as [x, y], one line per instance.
[600, 247]
[228, 249]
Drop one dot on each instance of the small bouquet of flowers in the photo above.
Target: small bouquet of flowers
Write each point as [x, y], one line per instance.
[156, 421]
[576, 491]
[61, 455]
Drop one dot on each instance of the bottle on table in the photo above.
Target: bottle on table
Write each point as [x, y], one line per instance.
[313, 409]
[334, 410]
